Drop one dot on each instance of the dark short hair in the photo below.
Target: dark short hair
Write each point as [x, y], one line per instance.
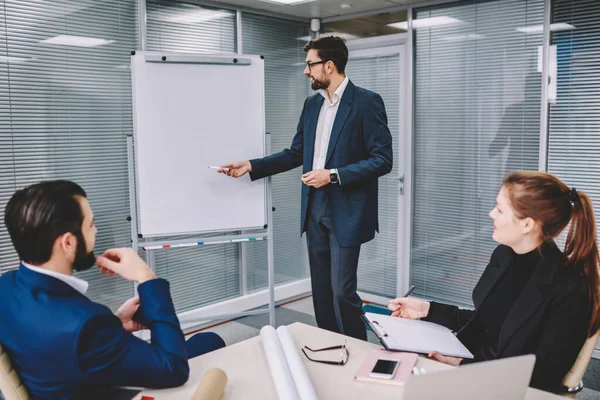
[38, 214]
[330, 48]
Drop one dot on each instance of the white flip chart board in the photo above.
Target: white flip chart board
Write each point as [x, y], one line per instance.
[192, 111]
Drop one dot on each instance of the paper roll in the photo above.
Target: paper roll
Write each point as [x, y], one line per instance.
[304, 386]
[211, 386]
[284, 383]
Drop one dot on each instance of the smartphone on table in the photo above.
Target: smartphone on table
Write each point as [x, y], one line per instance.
[384, 368]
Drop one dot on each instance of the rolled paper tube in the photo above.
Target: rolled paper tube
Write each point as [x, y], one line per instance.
[280, 371]
[212, 385]
[304, 386]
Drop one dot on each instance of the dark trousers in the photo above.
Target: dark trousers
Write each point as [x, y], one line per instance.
[333, 273]
[202, 343]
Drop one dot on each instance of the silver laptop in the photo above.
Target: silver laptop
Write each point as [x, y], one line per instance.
[505, 379]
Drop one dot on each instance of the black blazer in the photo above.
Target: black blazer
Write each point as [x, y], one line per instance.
[550, 318]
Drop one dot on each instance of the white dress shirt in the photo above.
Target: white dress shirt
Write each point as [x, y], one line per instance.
[325, 124]
[78, 284]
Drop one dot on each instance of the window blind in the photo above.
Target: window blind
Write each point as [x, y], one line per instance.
[65, 111]
[281, 42]
[476, 117]
[378, 263]
[574, 119]
[181, 27]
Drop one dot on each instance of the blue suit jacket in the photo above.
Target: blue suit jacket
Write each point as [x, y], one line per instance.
[61, 343]
[360, 148]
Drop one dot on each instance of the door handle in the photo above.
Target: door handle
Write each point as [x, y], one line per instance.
[400, 179]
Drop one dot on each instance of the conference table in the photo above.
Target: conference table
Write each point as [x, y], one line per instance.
[249, 376]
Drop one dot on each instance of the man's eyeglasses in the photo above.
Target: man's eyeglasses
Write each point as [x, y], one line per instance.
[309, 64]
[345, 354]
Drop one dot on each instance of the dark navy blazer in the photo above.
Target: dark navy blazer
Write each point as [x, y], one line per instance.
[61, 343]
[360, 148]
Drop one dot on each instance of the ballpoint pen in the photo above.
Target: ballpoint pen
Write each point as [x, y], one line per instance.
[410, 289]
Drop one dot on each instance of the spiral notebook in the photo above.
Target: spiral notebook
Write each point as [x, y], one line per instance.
[415, 336]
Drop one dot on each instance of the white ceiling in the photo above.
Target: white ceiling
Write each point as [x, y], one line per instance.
[318, 8]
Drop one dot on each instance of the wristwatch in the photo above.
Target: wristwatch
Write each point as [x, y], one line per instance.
[333, 175]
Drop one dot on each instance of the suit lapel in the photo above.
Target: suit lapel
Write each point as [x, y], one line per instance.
[311, 133]
[340, 118]
[533, 295]
[491, 276]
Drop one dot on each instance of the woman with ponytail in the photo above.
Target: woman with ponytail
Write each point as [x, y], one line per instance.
[532, 298]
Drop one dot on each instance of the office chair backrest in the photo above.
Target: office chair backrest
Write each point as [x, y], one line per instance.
[10, 383]
[572, 380]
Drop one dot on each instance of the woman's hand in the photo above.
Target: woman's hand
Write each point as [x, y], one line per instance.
[454, 361]
[408, 307]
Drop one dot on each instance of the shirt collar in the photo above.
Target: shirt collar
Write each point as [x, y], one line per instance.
[78, 284]
[339, 92]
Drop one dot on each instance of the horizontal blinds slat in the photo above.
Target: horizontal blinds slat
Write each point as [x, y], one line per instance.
[477, 113]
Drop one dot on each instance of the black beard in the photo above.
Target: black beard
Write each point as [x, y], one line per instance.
[83, 261]
[317, 85]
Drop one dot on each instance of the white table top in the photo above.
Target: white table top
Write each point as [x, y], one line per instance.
[249, 376]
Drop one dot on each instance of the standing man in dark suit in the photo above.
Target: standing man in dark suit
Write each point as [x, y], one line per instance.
[344, 145]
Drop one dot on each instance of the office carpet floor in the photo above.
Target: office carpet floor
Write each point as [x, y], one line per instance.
[302, 311]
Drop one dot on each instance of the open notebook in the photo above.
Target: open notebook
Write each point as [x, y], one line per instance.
[415, 336]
